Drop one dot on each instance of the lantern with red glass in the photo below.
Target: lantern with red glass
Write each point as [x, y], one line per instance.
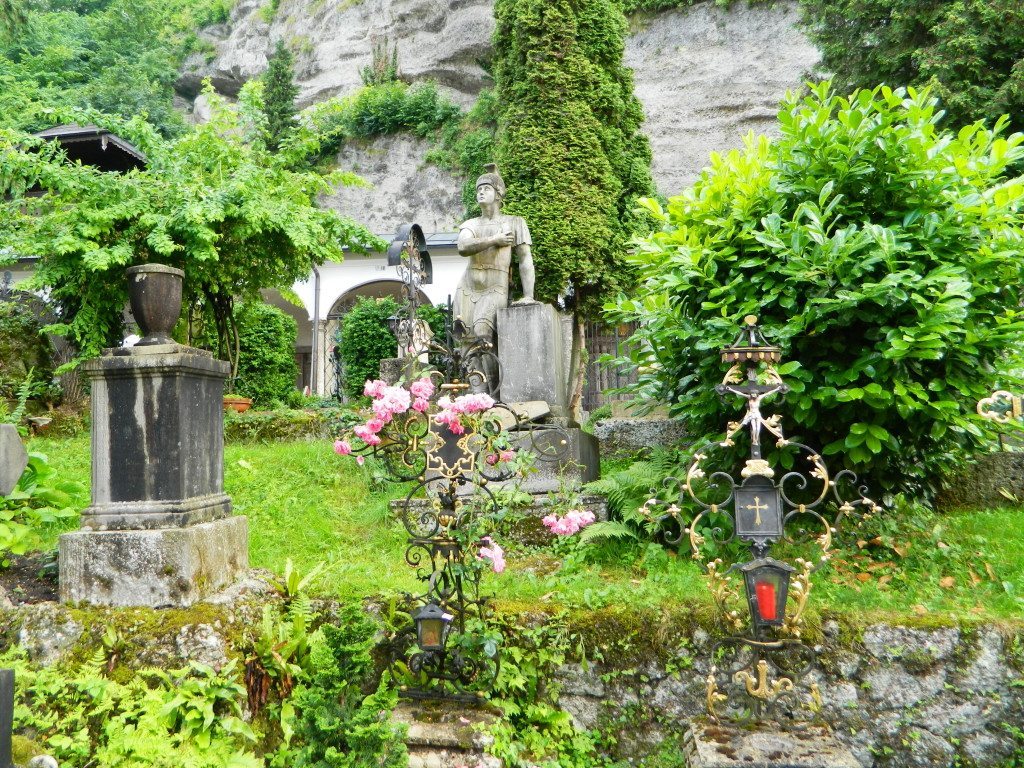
[432, 625]
[767, 584]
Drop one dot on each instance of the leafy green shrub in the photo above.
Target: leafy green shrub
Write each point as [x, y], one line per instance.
[40, 499]
[883, 254]
[379, 109]
[364, 340]
[280, 425]
[266, 361]
[338, 725]
[157, 719]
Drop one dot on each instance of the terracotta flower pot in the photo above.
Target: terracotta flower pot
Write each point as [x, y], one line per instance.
[237, 403]
[155, 293]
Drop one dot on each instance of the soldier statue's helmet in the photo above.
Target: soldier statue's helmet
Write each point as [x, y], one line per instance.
[493, 178]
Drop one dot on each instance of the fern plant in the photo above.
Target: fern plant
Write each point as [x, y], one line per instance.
[627, 490]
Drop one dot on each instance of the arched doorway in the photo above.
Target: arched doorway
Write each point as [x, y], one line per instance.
[331, 324]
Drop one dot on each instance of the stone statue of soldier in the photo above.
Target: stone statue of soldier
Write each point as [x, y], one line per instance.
[489, 241]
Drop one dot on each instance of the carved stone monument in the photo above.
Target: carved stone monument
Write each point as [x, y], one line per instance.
[532, 351]
[159, 530]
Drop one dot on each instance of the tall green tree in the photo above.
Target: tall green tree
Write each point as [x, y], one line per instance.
[279, 92]
[569, 142]
[971, 52]
[235, 217]
[12, 18]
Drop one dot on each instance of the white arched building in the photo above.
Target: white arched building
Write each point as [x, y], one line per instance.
[332, 290]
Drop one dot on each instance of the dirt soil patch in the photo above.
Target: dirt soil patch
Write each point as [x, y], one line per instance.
[30, 578]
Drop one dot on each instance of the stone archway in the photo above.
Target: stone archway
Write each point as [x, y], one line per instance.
[331, 324]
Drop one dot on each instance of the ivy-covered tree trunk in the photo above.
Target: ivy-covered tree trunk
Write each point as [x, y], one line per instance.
[569, 144]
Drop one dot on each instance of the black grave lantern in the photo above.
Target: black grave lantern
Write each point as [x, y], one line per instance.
[432, 626]
[766, 581]
[394, 323]
[750, 346]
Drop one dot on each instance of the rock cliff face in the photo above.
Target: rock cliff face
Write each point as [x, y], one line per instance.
[705, 75]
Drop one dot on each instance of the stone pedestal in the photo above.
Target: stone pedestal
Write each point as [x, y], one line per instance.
[158, 530]
[13, 458]
[531, 350]
[578, 460]
[166, 567]
[446, 735]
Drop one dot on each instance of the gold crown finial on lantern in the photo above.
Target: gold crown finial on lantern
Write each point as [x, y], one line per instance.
[750, 346]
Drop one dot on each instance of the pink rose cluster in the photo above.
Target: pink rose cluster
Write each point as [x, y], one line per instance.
[453, 410]
[573, 521]
[388, 402]
[491, 550]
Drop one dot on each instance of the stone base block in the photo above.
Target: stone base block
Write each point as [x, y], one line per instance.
[578, 458]
[168, 567]
[709, 745]
[446, 735]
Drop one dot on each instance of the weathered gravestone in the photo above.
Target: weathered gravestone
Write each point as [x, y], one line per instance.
[159, 530]
[13, 458]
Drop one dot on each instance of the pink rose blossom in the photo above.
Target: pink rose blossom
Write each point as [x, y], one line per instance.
[507, 455]
[573, 521]
[492, 551]
[420, 404]
[374, 388]
[492, 459]
[375, 425]
[422, 388]
[360, 460]
[342, 448]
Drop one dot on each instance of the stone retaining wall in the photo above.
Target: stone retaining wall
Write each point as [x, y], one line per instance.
[896, 697]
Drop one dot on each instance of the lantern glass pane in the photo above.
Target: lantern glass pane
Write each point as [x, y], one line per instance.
[767, 590]
[431, 634]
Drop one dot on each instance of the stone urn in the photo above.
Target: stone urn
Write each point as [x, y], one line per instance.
[155, 293]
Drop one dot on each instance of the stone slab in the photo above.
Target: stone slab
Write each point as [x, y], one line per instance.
[446, 735]
[530, 350]
[13, 458]
[168, 567]
[517, 412]
[709, 745]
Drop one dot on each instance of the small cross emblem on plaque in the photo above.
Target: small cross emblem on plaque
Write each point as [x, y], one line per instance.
[757, 506]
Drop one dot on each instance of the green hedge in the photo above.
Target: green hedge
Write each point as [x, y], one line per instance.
[266, 361]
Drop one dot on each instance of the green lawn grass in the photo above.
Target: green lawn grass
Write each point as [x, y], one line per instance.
[306, 504]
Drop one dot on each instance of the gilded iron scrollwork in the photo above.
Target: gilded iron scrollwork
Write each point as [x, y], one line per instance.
[760, 509]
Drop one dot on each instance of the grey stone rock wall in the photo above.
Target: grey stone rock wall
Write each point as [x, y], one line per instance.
[402, 186]
[899, 697]
[985, 482]
[705, 75]
[895, 696]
